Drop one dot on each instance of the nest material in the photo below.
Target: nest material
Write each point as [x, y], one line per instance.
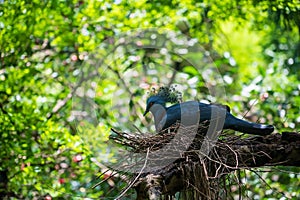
[190, 171]
[141, 143]
[200, 176]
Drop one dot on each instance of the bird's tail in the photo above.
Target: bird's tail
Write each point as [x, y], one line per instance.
[247, 127]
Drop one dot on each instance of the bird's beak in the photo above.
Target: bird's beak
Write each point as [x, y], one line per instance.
[145, 113]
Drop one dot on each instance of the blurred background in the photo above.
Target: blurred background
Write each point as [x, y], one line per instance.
[71, 70]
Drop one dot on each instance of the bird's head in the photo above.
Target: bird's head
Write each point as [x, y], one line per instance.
[154, 100]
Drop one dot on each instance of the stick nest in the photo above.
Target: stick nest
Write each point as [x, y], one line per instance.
[142, 142]
[195, 175]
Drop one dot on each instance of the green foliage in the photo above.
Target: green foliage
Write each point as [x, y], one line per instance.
[64, 84]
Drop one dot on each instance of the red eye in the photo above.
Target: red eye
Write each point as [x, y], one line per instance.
[151, 104]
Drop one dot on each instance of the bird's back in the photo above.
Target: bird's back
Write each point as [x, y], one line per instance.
[190, 110]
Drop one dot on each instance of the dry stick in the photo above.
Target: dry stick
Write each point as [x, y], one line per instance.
[239, 183]
[110, 176]
[137, 129]
[204, 169]
[134, 181]
[236, 156]
[221, 164]
[195, 188]
[250, 108]
[216, 161]
[217, 172]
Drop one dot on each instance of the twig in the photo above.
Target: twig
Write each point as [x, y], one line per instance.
[136, 178]
[109, 177]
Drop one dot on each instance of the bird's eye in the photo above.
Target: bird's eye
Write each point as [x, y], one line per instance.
[151, 104]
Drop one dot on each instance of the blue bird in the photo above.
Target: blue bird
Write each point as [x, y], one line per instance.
[164, 116]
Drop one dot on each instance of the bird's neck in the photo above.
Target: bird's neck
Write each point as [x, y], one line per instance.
[159, 112]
